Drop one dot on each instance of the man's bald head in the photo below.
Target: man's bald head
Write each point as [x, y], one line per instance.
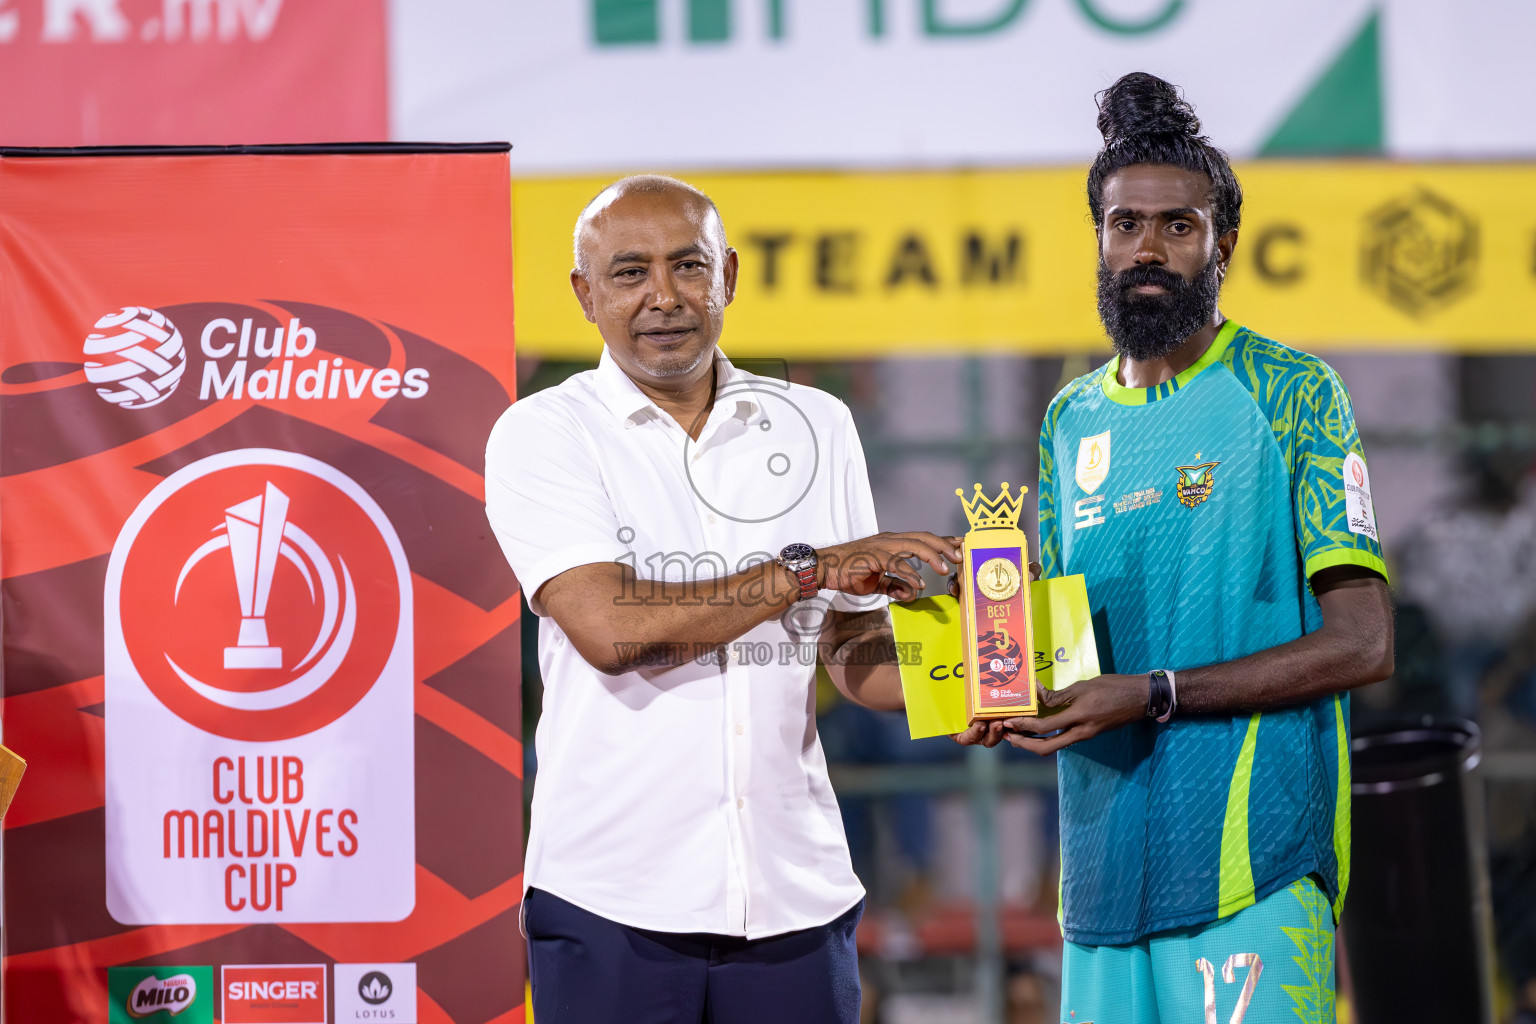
[651, 185]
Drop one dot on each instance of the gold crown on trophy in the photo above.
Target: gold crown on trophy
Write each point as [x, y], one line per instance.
[1000, 513]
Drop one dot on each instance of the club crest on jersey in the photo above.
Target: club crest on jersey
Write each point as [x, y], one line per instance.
[1092, 461]
[1196, 482]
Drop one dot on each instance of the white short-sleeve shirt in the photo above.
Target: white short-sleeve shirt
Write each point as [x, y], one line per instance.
[691, 798]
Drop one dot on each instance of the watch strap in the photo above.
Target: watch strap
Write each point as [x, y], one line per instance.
[1160, 695]
[1173, 696]
[808, 586]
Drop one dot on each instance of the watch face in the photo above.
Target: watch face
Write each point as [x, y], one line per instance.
[797, 553]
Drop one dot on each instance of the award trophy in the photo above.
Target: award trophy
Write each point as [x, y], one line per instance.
[995, 616]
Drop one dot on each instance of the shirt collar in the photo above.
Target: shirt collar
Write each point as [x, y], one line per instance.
[735, 395]
[621, 395]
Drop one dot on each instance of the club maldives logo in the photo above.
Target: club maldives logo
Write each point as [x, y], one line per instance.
[267, 629]
[259, 673]
[1359, 509]
[135, 357]
[256, 533]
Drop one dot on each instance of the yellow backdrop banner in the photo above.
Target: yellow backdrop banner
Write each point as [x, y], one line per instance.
[858, 265]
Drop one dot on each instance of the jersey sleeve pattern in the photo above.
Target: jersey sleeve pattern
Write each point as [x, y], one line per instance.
[1313, 422]
[1050, 523]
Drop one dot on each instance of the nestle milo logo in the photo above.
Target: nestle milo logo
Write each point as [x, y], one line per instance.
[152, 995]
[706, 22]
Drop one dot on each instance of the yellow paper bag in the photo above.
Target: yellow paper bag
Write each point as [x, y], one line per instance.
[930, 649]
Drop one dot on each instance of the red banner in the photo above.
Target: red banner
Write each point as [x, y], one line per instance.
[179, 72]
[261, 649]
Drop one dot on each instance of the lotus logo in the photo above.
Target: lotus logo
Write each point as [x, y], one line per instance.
[374, 988]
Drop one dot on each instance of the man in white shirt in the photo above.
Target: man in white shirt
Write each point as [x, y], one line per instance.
[687, 860]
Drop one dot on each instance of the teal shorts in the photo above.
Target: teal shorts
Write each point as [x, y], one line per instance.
[1271, 963]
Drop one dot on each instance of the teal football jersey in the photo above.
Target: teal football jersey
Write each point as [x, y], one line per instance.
[1197, 510]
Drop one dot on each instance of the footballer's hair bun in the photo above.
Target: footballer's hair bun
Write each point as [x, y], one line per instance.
[1143, 104]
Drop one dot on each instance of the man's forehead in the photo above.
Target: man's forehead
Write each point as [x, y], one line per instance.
[1155, 187]
[644, 210]
[661, 217]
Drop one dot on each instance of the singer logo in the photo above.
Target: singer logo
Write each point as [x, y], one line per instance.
[282, 619]
[274, 994]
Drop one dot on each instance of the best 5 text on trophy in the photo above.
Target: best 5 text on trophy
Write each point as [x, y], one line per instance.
[994, 600]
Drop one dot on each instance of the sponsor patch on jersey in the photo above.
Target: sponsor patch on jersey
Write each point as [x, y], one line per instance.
[1090, 512]
[1358, 507]
[1092, 461]
[1196, 482]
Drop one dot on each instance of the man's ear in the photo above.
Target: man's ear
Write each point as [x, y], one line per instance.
[732, 267]
[1224, 247]
[583, 294]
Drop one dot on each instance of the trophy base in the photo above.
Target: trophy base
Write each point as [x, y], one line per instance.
[1022, 711]
[253, 657]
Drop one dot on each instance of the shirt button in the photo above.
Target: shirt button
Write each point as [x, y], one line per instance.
[710, 518]
[740, 803]
[735, 655]
[740, 729]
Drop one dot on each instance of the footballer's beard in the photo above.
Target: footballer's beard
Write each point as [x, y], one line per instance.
[1145, 327]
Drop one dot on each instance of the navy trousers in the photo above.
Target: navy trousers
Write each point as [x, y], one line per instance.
[586, 969]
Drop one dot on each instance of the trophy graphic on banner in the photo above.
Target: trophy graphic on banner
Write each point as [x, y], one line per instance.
[255, 529]
[995, 622]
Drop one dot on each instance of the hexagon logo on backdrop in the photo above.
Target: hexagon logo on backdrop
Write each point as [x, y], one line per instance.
[1419, 252]
[135, 357]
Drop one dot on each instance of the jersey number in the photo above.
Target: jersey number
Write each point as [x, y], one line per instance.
[1228, 974]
